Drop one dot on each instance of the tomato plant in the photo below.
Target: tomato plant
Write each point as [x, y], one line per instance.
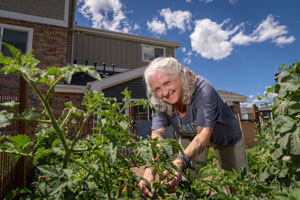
[70, 166]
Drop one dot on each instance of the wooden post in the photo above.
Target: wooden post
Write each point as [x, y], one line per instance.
[22, 129]
[254, 112]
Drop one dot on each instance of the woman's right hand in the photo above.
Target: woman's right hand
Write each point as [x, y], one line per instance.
[142, 186]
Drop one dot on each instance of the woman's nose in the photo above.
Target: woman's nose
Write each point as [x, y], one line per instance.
[164, 92]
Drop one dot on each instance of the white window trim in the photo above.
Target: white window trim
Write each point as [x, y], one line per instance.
[43, 20]
[127, 110]
[18, 28]
[147, 45]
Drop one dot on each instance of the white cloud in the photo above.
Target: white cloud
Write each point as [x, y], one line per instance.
[250, 96]
[105, 14]
[188, 1]
[210, 40]
[156, 26]
[233, 1]
[269, 29]
[177, 19]
[209, 1]
[187, 60]
[189, 53]
[280, 41]
[136, 27]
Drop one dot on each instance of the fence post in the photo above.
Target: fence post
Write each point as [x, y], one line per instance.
[254, 112]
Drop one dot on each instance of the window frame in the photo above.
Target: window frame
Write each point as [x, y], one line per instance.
[127, 111]
[153, 47]
[29, 32]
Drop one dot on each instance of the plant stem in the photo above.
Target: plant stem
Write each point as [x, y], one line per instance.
[32, 120]
[87, 169]
[16, 153]
[54, 124]
[50, 90]
[80, 131]
[66, 119]
[105, 179]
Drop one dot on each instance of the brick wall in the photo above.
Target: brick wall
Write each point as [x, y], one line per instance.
[58, 100]
[50, 48]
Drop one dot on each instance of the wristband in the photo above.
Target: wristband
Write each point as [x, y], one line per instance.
[185, 159]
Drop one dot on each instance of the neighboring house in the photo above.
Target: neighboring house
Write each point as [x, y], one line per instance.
[234, 100]
[263, 112]
[125, 57]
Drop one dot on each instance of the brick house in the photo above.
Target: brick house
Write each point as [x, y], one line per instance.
[39, 25]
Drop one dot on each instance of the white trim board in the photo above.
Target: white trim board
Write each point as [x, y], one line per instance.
[79, 89]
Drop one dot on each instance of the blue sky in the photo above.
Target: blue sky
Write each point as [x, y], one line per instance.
[236, 44]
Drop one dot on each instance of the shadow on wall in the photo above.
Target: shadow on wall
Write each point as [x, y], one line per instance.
[144, 129]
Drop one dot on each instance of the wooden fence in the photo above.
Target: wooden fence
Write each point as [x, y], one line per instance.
[10, 175]
[16, 176]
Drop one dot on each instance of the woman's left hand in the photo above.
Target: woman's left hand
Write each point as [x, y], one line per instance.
[172, 185]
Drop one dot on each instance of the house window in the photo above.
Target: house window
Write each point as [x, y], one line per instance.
[19, 37]
[149, 53]
[139, 113]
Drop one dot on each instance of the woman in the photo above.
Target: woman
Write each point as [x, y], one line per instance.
[199, 116]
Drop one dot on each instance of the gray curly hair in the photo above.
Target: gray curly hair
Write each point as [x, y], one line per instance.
[170, 65]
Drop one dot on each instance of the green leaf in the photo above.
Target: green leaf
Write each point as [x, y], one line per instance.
[91, 185]
[93, 73]
[291, 141]
[14, 158]
[5, 118]
[11, 105]
[270, 89]
[277, 154]
[283, 173]
[52, 71]
[15, 52]
[14, 193]
[284, 141]
[294, 108]
[283, 124]
[30, 114]
[40, 152]
[295, 193]
[127, 94]
[69, 104]
[19, 140]
[2, 137]
[295, 142]
[264, 175]
[124, 125]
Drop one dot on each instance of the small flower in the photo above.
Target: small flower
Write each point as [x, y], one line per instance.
[286, 158]
[43, 177]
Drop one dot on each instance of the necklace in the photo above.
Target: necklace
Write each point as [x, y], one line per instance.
[179, 113]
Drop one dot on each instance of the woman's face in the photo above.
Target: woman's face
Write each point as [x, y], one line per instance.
[166, 87]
